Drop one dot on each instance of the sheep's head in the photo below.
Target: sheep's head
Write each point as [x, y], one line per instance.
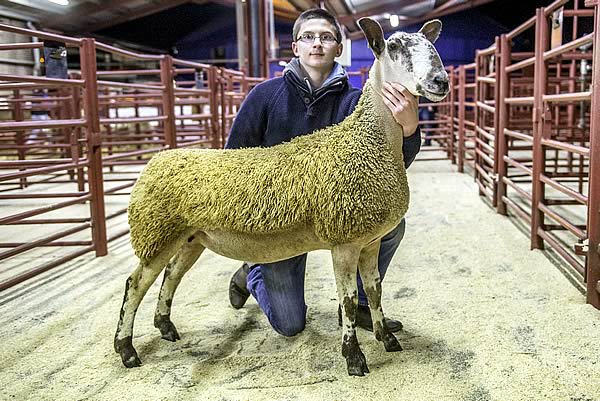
[410, 58]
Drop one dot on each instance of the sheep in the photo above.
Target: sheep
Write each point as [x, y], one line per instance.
[341, 188]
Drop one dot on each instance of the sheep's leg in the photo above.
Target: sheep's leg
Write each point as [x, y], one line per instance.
[135, 288]
[369, 273]
[176, 269]
[345, 261]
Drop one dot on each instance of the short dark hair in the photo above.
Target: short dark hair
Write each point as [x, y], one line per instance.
[317, 13]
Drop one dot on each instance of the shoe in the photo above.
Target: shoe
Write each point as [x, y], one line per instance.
[363, 320]
[238, 291]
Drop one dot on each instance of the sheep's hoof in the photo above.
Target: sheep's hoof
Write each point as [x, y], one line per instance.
[391, 344]
[166, 327]
[128, 354]
[357, 364]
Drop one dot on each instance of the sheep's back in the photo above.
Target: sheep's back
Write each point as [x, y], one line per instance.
[342, 187]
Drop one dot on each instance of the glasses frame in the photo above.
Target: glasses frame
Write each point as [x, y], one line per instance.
[318, 36]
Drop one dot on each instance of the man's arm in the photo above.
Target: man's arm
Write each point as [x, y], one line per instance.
[411, 146]
[250, 123]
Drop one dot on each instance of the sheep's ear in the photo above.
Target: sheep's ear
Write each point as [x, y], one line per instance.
[374, 35]
[431, 30]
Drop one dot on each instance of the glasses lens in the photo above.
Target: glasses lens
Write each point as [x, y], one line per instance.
[307, 37]
[327, 38]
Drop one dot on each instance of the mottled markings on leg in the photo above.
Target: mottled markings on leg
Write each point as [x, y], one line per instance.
[169, 302]
[349, 308]
[349, 344]
[165, 276]
[378, 329]
[125, 299]
[374, 294]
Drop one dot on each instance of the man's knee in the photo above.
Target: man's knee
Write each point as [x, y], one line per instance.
[289, 325]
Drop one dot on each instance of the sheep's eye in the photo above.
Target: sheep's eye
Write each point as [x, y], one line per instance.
[393, 46]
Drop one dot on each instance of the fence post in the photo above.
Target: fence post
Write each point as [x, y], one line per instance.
[213, 84]
[539, 158]
[450, 133]
[168, 101]
[502, 82]
[593, 257]
[477, 159]
[462, 77]
[223, 110]
[94, 145]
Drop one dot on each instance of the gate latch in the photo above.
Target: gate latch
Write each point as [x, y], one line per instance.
[581, 248]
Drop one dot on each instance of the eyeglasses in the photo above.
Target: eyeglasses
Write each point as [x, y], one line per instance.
[326, 38]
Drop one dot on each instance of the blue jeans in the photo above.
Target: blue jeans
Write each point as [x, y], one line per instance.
[279, 287]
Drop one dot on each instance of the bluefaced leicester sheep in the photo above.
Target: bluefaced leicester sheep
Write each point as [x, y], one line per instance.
[341, 188]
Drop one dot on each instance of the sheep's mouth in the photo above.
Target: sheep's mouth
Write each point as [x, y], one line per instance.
[435, 96]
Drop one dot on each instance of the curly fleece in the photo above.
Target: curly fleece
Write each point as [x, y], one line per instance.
[342, 180]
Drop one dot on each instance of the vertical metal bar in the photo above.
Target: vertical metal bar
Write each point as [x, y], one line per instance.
[256, 35]
[18, 115]
[476, 120]
[94, 145]
[502, 81]
[75, 135]
[539, 157]
[495, 156]
[241, 36]
[214, 106]
[452, 113]
[461, 117]
[222, 82]
[107, 127]
[168, 101]
[593, 257]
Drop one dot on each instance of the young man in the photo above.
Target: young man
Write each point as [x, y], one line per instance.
[313, 93]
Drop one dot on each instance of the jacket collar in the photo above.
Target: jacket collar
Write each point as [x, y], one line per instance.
[295, 74]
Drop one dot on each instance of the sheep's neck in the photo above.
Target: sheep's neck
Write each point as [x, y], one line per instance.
[393, 131]
[373, 91]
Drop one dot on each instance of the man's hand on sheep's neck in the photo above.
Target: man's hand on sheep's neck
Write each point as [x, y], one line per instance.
[403, 105]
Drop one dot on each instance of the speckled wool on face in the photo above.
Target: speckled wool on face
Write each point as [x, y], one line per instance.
[343, 180]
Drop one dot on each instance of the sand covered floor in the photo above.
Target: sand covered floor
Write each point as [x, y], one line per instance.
[484, 319]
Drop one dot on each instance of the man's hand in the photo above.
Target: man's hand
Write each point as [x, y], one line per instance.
[403, 105]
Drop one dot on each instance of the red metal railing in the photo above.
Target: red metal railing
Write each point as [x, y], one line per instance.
[535, 144]
[524, 123]
[100, 127]
[436, 127]
[463, 138]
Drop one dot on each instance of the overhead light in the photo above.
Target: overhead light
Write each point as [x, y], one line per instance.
[60, 2]
[394, 20]
[387, 15]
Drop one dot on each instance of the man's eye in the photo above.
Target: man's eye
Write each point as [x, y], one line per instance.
[327, 37]
[308, 36]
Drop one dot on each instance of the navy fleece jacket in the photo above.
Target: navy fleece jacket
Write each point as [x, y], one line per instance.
[280, 109]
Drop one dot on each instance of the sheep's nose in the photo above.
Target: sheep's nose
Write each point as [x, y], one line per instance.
[441, 81]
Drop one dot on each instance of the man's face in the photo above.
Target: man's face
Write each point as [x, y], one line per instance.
[317, 54]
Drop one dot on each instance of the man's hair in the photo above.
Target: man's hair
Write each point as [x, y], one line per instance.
[316, 13]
